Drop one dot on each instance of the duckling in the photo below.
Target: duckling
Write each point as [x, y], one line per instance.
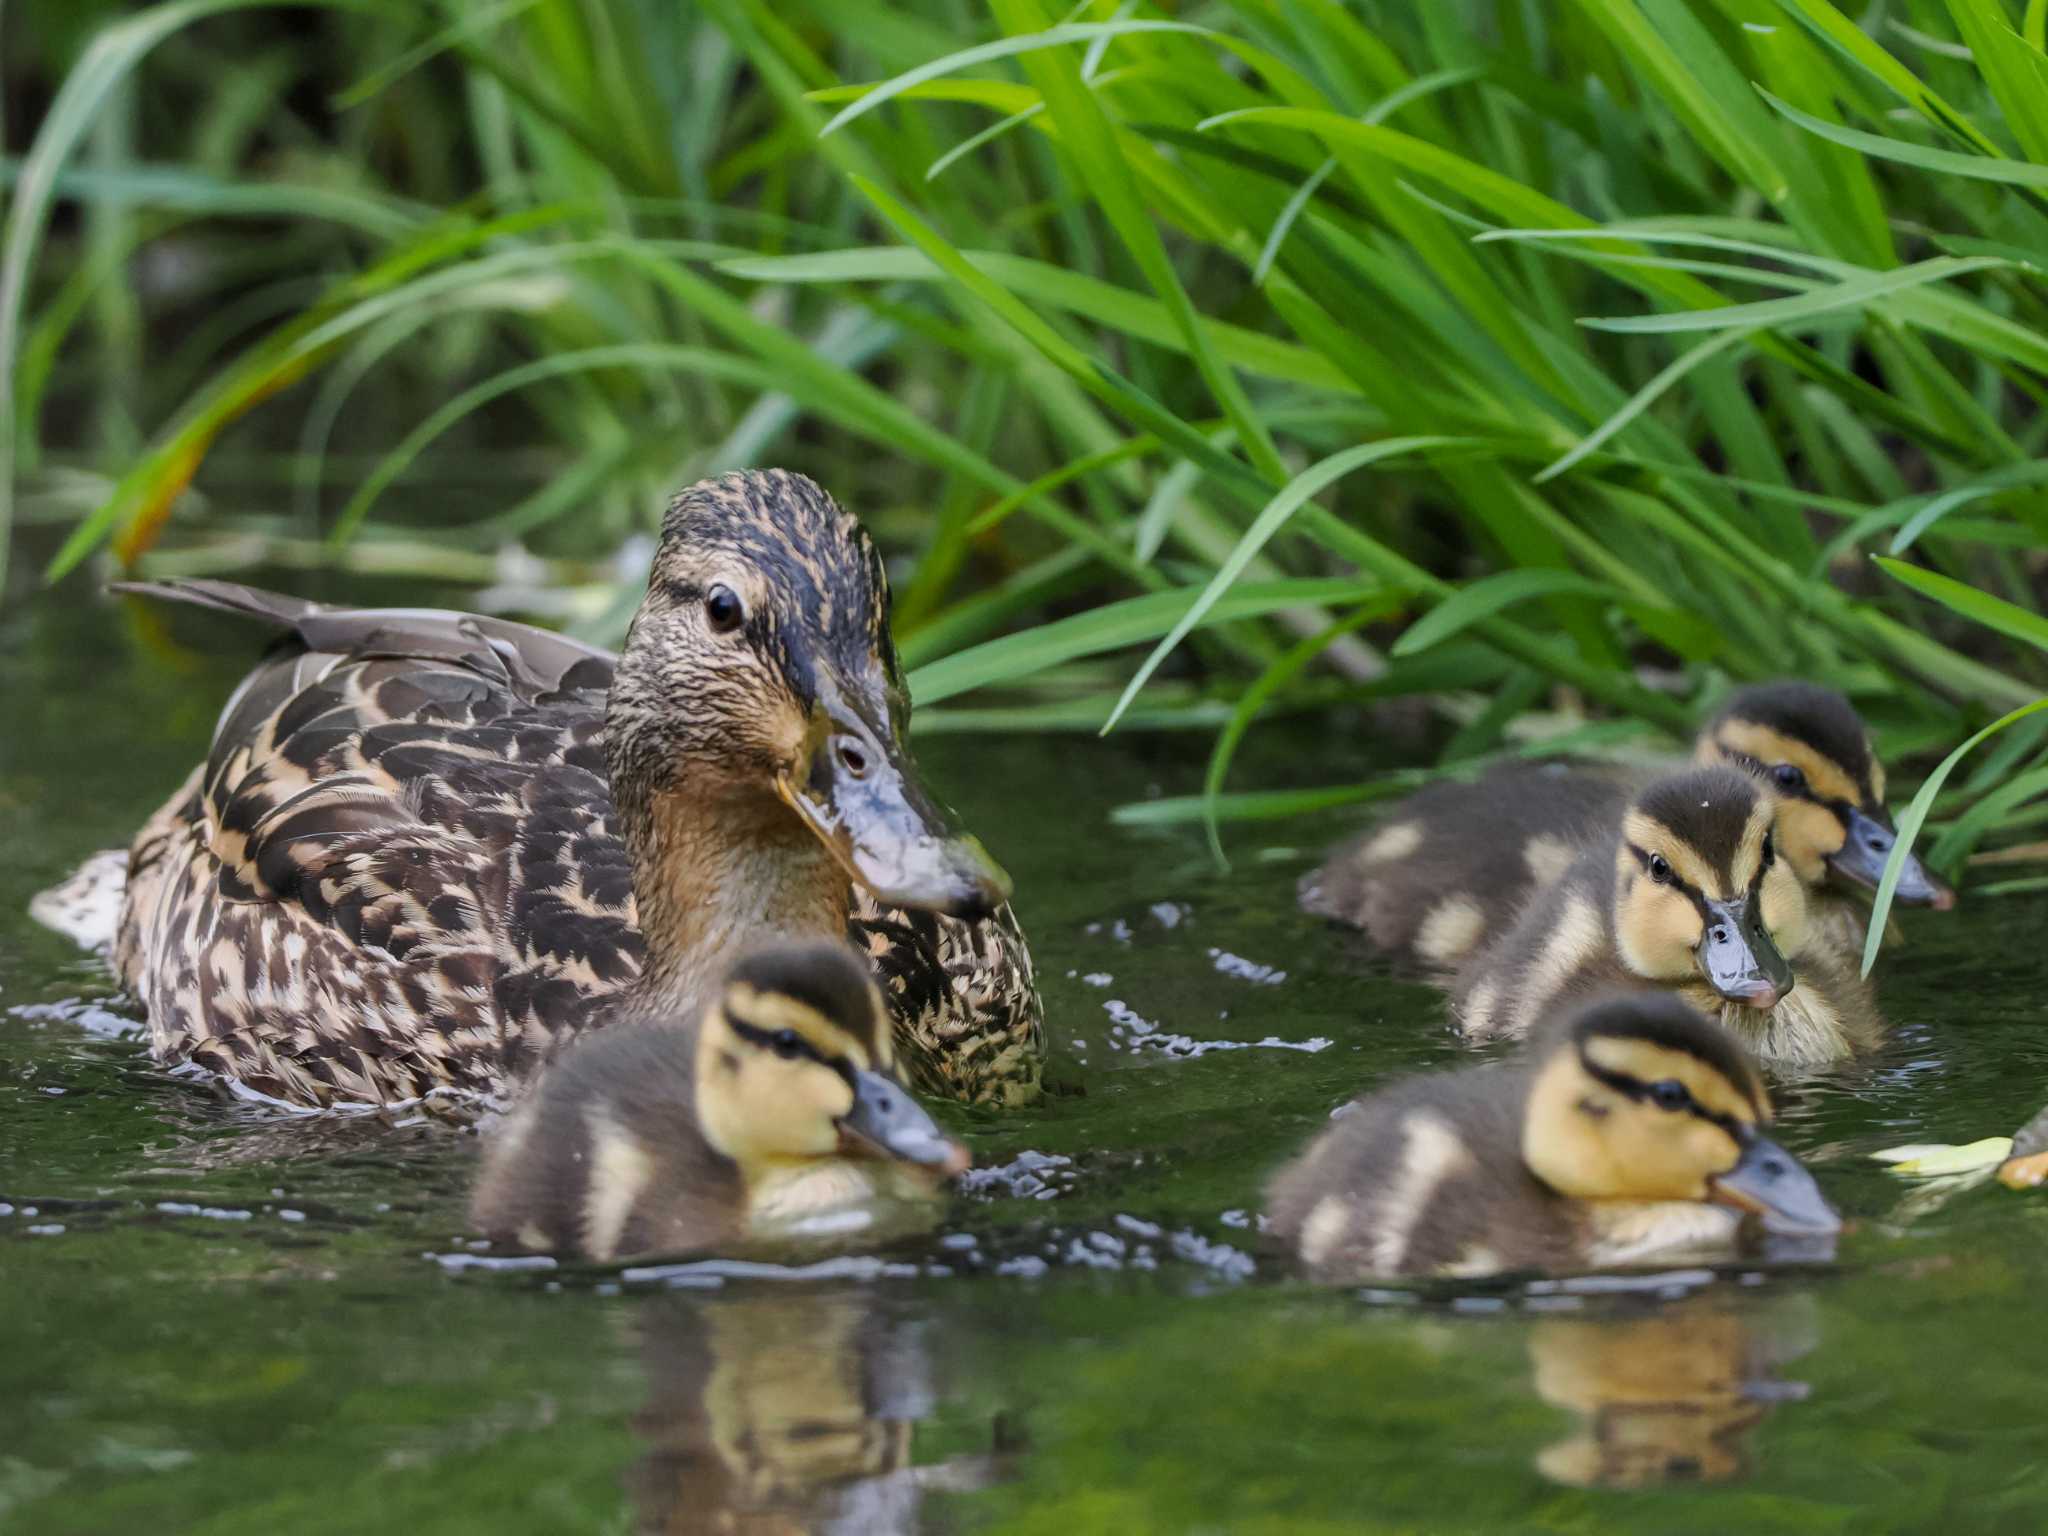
[428, 848]
[1689, 895]
[1628, 1131]
[1809, 746]
[1455, 863]
[780, 1116]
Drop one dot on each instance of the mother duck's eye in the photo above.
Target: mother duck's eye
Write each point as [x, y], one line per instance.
[1669, 1094]
[722, 606]
[1788, 776]
[787, 1044]
[1660, 869]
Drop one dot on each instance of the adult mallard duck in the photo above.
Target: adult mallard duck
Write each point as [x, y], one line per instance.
[428, 847]
[781, 1115]
[1687, 893]
[1455, 863]
[1629, 1131]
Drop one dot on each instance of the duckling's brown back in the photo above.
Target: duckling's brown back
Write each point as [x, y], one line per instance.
[603, 1157]
[1560, 945]
[1451, 867]
[1423, 1177]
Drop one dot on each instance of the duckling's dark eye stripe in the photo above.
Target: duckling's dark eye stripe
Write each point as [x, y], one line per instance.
[1637, 1091]
[766, 1040]
[1674, 879]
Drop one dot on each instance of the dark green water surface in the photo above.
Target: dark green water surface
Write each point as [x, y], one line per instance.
[216, 1318]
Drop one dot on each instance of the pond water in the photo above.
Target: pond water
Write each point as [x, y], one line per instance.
[215, 1318]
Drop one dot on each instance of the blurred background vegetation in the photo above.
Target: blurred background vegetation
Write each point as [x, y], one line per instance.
[1556, 363]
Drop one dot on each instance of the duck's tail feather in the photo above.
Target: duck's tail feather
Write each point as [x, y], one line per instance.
[278, 609]
[532, 661]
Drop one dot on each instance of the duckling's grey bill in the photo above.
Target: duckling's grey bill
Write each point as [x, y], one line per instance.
[1737, 956]
[1774, 1185]
[886, 1121]
[1863, 856]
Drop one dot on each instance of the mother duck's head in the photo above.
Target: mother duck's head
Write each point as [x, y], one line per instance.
[759, 679]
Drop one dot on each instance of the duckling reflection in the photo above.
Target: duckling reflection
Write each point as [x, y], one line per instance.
[789, 1412]
[1669, 1398]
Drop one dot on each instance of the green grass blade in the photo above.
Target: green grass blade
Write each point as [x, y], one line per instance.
[1916, 814]
[1853, 294]
[1316, 478]
[703, 361]
[1944, 162]
[1116, 625]
[1253, 701]
[1961, 598]
[107, 61]
[1491, 595]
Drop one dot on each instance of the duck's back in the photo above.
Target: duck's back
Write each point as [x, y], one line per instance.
[396, 869]
[1424, 1177]
[1452, 866]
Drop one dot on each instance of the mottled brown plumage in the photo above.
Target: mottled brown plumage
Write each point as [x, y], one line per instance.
[1454, 864]
[1626, 1132]
[427, 847]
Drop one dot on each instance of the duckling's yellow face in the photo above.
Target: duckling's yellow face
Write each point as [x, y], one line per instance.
[797, 1073]
[1617, 1118]
[1816, 795]
[1728, 911]
[1831, 816]
[1636, 1099]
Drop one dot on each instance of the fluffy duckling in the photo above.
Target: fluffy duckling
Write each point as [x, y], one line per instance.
[1628, 1132]
[1689, 895]
[1454, 864]
[427, 848]
[780, 1116]
[1808, 744]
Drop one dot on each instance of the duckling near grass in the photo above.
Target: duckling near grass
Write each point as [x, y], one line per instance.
[1629, 1131]
[780, 1116]
[1455, 863]
[427, 848]
[1687, 893]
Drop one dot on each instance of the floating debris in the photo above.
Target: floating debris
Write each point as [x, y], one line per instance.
[1931, 1160]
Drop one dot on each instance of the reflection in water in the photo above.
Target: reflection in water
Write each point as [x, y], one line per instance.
[789, 1412]
[1666, 1398]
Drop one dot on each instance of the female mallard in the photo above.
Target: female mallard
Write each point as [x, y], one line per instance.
[1629, 1131]
[1455, 863]
[428, 847]
[779, 1116]
[1686, 893]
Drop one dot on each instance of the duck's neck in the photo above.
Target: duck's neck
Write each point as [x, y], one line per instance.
[714, 873]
